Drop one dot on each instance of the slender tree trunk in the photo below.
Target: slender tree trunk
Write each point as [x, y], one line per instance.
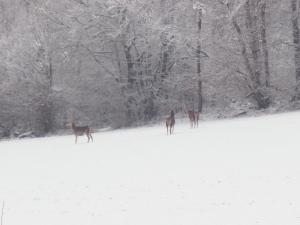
[165, 60]
[48, 105]
[200, 99]
[131, 80]
[252, 25]
[166, 55]
[296, 40]
[264, 43]
[244, 48]
[50, 74]
[130, 67]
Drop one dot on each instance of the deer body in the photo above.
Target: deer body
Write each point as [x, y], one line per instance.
[170, 122]
[80, 131]
[194, 118]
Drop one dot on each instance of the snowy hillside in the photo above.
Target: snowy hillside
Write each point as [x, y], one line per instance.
[240, 172]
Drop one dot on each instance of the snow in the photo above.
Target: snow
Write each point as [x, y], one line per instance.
[237, 172]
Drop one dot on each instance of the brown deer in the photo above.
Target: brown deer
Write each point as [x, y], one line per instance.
[80, 131]
[194, 117]
[170, 122]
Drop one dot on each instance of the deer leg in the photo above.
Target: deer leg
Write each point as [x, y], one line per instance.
[192, 122]
[88, 136]
[75, 139]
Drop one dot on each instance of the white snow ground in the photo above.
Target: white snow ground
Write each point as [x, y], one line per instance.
[235, 172]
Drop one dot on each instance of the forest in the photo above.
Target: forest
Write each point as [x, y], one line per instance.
[122, 63]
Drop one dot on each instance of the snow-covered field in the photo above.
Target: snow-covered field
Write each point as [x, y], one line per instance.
[236, 172]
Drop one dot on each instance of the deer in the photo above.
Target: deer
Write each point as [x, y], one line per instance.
[80, 131]
[170, 122]
[194, 117]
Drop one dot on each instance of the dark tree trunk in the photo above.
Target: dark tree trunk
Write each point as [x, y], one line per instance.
[265, 44]
[166, 54]
[47, 107]
[244, 49]
[165, 60]
[252, 25]
[130, 67]
[200, 99]
[131, 82]
[296, 40]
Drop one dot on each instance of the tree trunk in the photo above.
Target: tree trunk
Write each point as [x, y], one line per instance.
[265, 44]
[200, 100]
[130, 67]
[47, 107]
[131, 81]
[252, 25]
[166, 55]
[296, 40]
[244, 48]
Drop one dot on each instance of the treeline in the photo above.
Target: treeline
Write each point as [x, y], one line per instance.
[123, 63]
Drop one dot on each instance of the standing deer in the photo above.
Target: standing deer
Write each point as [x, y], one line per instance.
[170, 122]
[194, 117]
[80, 131]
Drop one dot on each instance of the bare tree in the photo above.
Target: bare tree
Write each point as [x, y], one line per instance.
[122, 63]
